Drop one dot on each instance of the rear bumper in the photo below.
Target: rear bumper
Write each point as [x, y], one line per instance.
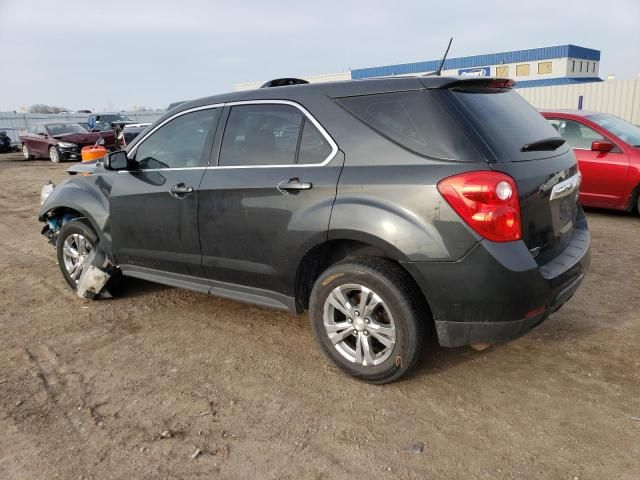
[497, 292]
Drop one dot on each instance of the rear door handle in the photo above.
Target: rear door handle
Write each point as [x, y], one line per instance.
[180, 190]
[293, 185]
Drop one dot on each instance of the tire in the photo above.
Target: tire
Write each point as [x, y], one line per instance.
[54, 155]
[26, 152]
[401, 313]
[72, 232]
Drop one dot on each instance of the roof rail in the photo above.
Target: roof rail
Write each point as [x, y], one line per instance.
[283, 82]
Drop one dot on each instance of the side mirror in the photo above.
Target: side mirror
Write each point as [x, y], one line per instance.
[116, 160]
[601, 146]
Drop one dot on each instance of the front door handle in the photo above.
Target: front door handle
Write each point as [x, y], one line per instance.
[180, 190]
[293, 185]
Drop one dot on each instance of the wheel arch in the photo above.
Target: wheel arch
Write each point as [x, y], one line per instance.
[81, 202]
[634, 200]
[320, 257]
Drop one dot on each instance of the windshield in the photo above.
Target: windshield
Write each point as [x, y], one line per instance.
[116, 117]
[64, 128]
[625, 131]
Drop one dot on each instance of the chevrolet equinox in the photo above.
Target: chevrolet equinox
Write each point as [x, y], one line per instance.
[391, 209]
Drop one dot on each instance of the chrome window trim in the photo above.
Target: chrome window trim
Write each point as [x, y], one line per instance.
[305, 112]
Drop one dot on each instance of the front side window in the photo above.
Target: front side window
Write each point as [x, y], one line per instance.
[179, 143]
[575, 133]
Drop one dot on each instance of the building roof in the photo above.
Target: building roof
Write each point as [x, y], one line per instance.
[516, 56]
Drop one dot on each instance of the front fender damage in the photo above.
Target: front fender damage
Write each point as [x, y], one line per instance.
[95, 275]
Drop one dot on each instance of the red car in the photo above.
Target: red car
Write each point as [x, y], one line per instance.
[61, 141]
[608, 153]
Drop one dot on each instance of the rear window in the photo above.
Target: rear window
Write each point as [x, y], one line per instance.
[506, 122]
[417, 121]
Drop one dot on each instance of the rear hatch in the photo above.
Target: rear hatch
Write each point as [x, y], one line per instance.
[518, 141]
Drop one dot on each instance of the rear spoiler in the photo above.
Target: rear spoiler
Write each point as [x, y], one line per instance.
[473, 82]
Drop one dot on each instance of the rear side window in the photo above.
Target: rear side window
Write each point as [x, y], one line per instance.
[506, 122]
[261, 135]
[314, 148]
[417, 121]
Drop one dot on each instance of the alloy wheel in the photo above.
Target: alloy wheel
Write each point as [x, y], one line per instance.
[75, 250]
[359, 324]
[25, 151]
[54, 155]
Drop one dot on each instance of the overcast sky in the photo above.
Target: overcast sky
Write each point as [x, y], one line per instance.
[83, 54]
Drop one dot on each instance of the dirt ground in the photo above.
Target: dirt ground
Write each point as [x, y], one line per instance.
[133, 387]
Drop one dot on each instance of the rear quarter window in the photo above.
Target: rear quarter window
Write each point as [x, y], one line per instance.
[417, 121]
[506, 122]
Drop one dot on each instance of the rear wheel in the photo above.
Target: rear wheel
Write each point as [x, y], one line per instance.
[54, 155]
[368, 318]
[26, 152]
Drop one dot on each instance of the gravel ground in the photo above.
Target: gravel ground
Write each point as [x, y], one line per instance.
[165, 383]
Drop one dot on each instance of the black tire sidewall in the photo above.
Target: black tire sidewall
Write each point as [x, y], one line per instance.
[398, 303]
[74, 226]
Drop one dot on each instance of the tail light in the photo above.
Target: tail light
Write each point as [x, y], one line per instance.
[487, 201]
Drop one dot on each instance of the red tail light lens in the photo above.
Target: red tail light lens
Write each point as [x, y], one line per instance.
[487, 201]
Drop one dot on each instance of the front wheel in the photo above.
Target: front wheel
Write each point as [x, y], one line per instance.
[368, 318]
[54, 155]
[75, 240]
[26, 152]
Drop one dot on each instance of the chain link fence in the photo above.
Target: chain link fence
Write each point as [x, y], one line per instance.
[16, 123]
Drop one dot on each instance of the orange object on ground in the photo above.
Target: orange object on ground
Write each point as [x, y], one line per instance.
[93, 153]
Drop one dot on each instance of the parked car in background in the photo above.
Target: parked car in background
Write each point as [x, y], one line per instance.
[5, 142]
[61, 141]
[608, 153]
[131, 131]
[101, 122]
[385, 207]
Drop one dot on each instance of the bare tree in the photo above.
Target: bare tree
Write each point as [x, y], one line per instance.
[41, 108]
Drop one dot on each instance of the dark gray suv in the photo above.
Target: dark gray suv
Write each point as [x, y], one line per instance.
[391, 209]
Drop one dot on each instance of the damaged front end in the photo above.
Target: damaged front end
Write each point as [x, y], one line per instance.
[96, 267]
[95, 275]
[53, 224]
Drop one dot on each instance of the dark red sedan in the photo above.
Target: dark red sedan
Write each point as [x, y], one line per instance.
[608, 153]
[61, 141]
